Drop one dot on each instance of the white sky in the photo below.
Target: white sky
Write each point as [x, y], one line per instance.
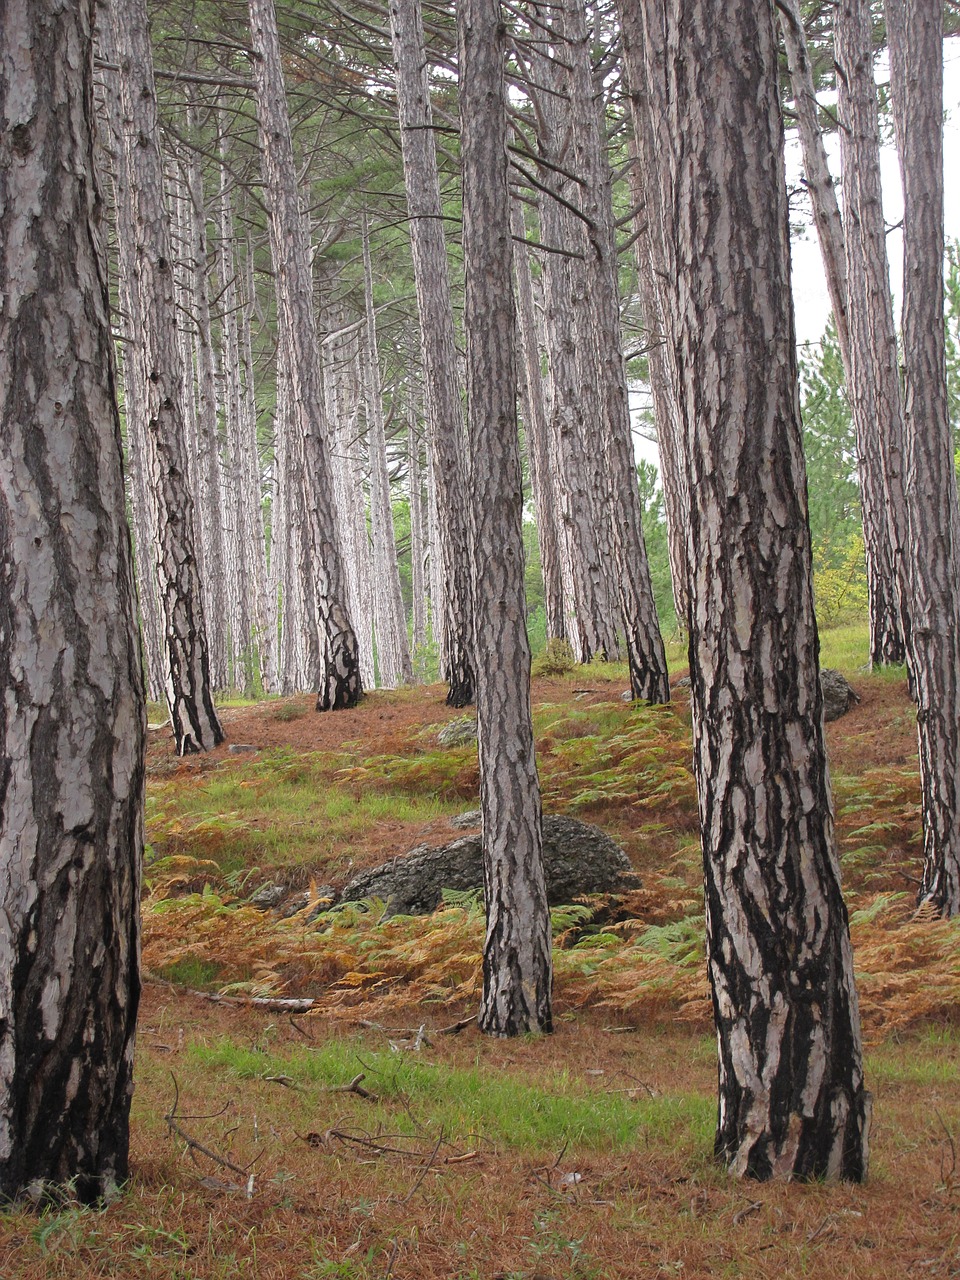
[809, 288]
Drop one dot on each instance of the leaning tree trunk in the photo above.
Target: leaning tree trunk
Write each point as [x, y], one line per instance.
[72, 724]
[792, 1099]
[516, 958]
[933, 567]
[187, 667]
[438, 347]
[822, 192]
[340, 684]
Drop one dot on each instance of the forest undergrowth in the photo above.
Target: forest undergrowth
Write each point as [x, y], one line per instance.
[375, 1133]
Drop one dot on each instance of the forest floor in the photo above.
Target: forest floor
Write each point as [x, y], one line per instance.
[257, 1151]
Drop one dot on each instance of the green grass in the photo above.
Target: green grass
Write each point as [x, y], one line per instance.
[846, 648]
[278, 811]
[505, 1108]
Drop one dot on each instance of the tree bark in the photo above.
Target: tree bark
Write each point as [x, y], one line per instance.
[340, 684]
[538, 435]
[930, 482]
[438, 348]
[870, 358]
[393, 647]
[72, 724]
[647, 661]
[186, 659]
[792, 1099]
[516, 961]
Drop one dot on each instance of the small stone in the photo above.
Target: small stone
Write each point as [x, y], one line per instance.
[237, 747]
[296, 902]
[683, 683]
[459, 732]
[838, 694]
[327, 896]
[627, 695]
[464, 821]
[269, 896]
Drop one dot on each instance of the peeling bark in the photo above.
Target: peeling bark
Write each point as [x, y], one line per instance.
[72, 723]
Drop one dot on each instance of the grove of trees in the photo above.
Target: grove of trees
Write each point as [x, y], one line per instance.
[377, 283]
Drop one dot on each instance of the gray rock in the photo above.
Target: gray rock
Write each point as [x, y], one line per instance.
[578, 858]
[838, 694]
[269, 896]
[627, 695]
[464, 821]
[296, 902]
[459, 732]
[683, 683]
[238, 747]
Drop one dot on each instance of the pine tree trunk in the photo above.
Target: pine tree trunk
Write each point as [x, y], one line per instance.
[72, 726]
[516, 961]
[930, 482]
[339, 682]
[647, 660]
[871, 360]
[129, 325]
[823, 193]
[417, 542]
[792, 1099]
[589, 626]
[210, 487]
[438, 348]
[393, 648]
[186, 661]
[644, 51]
[537, 433]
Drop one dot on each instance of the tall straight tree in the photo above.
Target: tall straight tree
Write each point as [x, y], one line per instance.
[438, 347]
[792, 1099]
[186, 656]
[516, 958]
[340, 684]
[933, 567]
[871, 360]
[861, 255]
[645, 652]
[72, 726]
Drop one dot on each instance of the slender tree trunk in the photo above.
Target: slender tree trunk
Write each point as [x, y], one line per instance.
[933, 567]
[129, 325]
[441, 384]
[393, 648]
[187, 668]
[873, 374]
[538, 434]
[516, 961]
[792, 1099]
[823, 193]
[340, 665]
[417, 540]
[72, 724]
[644, 48]
[209, 466]
[647, 660]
